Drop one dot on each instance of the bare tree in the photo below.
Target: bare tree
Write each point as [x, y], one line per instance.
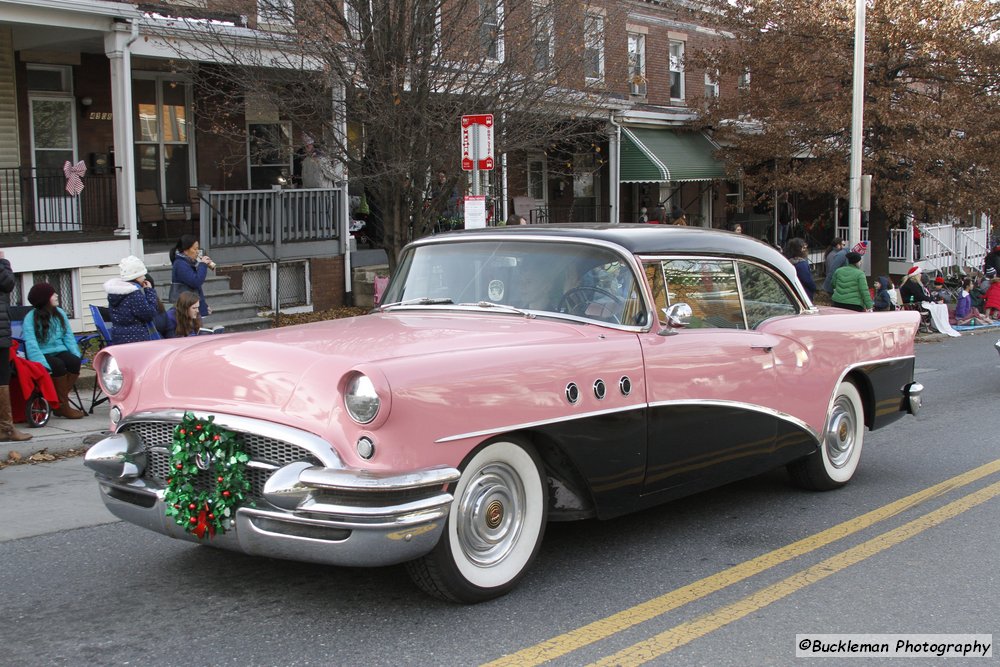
[403, 72]
[931, 121]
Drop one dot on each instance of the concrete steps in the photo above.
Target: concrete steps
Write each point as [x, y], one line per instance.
[229, 308]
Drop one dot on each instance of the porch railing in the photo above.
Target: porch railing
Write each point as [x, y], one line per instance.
[273, 216]
[35, 200]
[940, 247]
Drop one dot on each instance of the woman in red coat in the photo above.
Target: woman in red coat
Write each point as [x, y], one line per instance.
[992, 298]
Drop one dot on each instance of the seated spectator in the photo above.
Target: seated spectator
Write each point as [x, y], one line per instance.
[884, 290]
[992, 298]
[965, 312]
[940, 293]
[132, 301]
[912, 290]
[49, 340]
[184, 319]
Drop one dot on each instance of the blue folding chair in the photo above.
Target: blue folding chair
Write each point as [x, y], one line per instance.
[104, 332]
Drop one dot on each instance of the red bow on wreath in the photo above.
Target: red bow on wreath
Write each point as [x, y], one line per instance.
[203, 525]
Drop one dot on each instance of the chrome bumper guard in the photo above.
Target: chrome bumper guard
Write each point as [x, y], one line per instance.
[914, 397]
[312, 514]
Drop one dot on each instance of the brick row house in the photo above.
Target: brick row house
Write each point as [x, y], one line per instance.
[104, 83]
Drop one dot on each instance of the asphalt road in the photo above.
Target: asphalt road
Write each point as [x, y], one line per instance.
[728, 577]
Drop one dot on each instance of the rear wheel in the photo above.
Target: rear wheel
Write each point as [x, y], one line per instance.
[494, 529]
[834, 463]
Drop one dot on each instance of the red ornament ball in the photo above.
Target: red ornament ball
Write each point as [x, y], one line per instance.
[197, 427]
[191, 506]
[193, 520]
[216, 437]
[211, 516]
[179, 466]
[225, 494]
[219, 478]
[176, 506]
[183, 432]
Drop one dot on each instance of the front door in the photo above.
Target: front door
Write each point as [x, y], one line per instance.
[53, 143]
[708, 386]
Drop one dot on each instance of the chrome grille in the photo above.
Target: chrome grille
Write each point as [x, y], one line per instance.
[158, 435]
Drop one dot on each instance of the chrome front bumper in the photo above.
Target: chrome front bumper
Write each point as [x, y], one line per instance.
[311, 513]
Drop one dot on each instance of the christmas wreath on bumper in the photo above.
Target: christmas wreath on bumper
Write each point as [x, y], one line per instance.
[198, 445]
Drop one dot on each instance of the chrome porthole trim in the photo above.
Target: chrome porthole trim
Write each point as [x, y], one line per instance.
[572, 393]
[625, 385]
[600, 390]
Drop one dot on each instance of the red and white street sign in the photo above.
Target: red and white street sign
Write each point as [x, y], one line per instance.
[477, 142]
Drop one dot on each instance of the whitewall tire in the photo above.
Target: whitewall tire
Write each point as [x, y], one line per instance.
[835, 462]
[494, 529]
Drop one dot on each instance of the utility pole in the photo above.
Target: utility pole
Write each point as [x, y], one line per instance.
[857, 125]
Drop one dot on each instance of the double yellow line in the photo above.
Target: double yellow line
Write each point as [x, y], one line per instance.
[691, 630]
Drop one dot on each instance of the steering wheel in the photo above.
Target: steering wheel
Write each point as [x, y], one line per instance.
[578, 300]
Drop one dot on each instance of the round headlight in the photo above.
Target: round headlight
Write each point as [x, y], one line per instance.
[111, 376]
[361, 399]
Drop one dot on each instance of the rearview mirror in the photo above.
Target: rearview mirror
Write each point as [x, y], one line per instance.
[676, 318]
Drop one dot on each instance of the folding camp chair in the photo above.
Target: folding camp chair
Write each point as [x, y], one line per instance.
[17, 315]
[104, 331]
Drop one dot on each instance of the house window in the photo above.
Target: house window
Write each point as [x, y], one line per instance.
[536, 177]
[269, 151]
[676, 70]
[711, 84]
[489, 28]
[275, 12]
[637, 63]
[161, 109]
[593, 54]
[543, 47]
[62, 281]
[49, 78]
[744, 80]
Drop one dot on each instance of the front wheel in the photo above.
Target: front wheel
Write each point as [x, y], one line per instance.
[494, 529]
[834, 463]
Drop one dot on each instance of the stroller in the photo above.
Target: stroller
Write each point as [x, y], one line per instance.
[32, 394]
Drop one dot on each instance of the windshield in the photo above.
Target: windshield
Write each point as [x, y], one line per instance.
[577, 279]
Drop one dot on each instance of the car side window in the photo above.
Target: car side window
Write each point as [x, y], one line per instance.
[708, 286]
[764, 295]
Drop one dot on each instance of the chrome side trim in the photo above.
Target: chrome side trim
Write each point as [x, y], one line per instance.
[308, 441]
[366, 480]
[749, 407]
[859, 364]
[541, 422]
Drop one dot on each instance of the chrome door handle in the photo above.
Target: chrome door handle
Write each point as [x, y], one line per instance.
[762, 348]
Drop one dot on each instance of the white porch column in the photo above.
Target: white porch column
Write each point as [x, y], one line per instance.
[116, 47]
[614, 171]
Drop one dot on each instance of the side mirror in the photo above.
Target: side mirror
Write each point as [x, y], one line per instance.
[677, 318]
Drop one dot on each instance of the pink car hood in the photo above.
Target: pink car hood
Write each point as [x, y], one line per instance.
[298, 371]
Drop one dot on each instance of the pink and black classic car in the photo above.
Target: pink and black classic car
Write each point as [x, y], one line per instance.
[511, 376]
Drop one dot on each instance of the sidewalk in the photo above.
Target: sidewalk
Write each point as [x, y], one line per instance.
[61, 435]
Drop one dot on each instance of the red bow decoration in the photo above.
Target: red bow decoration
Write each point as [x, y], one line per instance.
[74, 176]
[203, 524]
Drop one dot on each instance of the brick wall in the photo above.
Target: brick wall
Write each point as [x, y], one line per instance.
[327, 277]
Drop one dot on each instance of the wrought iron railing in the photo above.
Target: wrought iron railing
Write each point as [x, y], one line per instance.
[572, 213]
[35, 200]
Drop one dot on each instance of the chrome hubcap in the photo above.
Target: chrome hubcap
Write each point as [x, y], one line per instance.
[491, 514]
[840, 433]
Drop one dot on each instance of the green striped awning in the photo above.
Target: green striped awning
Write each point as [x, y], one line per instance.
[656, 155]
